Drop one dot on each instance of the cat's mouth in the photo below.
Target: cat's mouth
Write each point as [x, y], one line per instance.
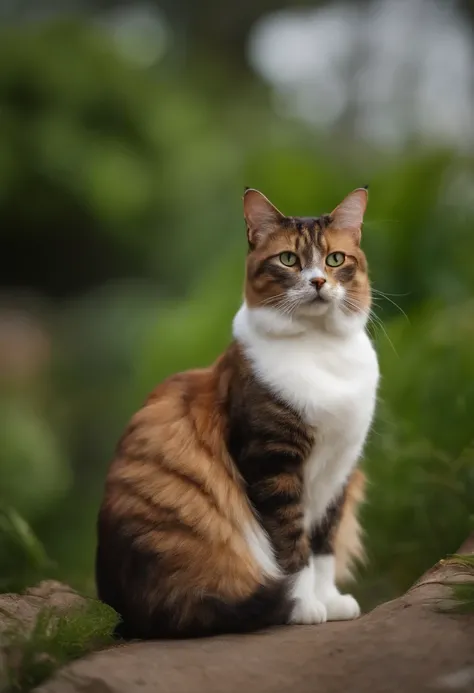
[319, 299]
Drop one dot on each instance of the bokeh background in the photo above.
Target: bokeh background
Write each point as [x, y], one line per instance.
[128, 131]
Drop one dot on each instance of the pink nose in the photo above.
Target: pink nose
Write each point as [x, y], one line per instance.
[318, 282]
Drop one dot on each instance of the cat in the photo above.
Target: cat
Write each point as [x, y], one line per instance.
[231, 504]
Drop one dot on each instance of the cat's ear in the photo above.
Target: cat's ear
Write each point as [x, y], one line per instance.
[260, 215]
[349, 214]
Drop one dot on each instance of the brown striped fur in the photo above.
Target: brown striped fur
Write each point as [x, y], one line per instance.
[210, 453]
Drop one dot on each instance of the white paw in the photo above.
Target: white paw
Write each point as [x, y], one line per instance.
[341, 607]
[308, 612]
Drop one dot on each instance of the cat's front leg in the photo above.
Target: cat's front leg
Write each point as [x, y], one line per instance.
[339, 607]
[283, 521]
[293, 550]
[307, 609]
[293, 547]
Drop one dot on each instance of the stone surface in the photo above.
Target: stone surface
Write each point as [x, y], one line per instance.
[406, 645]
[25, 607]
[22, 609]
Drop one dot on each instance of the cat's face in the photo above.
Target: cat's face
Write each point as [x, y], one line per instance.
[306, 267]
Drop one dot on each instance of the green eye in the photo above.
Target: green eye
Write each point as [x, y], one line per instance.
[335, 259]
[288, 259]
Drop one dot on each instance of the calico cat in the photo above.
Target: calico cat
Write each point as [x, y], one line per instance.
[231, 504]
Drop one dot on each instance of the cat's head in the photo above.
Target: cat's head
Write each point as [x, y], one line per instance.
[307, 268]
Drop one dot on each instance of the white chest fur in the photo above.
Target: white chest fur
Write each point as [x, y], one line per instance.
[331, 380]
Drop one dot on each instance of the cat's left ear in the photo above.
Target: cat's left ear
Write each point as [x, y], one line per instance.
[260, 215]
[349, 214]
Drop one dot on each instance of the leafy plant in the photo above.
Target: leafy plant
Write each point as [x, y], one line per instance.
[462, 596]
[24, 559]
[33, 655]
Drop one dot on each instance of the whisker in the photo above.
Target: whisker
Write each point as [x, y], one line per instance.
[272, 299]
[376, 321]
[372, 318]
[288, 305]
[381, 294]
[283, 302]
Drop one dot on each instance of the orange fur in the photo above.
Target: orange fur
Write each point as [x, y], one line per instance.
[174, 450]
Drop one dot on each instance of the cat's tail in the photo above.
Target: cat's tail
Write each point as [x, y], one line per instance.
[268, 606]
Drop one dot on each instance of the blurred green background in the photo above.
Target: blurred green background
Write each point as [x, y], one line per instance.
[128, 131]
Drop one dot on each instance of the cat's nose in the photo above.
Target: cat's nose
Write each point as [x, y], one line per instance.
[318, 282]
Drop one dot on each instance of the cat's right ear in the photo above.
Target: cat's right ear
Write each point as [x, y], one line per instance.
[260, 215]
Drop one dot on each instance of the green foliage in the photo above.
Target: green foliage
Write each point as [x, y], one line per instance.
[78, 100]
[30, 450]
[463, 595]
[461, 600]
[55, 639]
[23, 556]
[421, 454]
[109, 157]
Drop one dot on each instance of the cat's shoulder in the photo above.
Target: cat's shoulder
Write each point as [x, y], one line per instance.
[181, 385]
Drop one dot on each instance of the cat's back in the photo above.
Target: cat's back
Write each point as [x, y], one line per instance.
[172, 444]
[164, 420]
